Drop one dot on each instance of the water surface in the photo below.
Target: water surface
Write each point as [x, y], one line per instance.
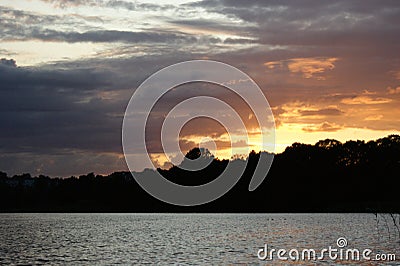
[183, 238]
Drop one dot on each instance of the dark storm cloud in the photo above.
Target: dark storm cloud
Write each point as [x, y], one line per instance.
[56, 120]
[60, 117]
[78, 80]
[44, 109]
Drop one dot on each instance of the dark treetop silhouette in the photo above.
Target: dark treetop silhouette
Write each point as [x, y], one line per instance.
[329, 176]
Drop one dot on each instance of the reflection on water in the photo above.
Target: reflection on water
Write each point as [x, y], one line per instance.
[181, 238]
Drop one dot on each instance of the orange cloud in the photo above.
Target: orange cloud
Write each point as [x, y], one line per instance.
[367, 92]
[273, 64]
[394, 90]
[307, 67]
[365, 100]
[373, 118]
[327, 127]
[311, 66]
[296, 110]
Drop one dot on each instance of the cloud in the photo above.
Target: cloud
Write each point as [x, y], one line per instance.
[8, 62]
[373, 118]
[324, 127]
[105, 36]
[393, 90]
[71, 3]
[76, 28]
[302, 110]
[6, 52]
[274, 64]
[306, 24]
[76, 107]
[309, 117]
[222, 144]
[307, 67]
[217, 25]
[45, 110]
[367, 92]
[31, 21]
[129, 5]
[311, 66]
[239, 41]
[357, 100]
[62, 120]
[321, 112]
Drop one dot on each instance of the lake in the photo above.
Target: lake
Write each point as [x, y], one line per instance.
[187, 238]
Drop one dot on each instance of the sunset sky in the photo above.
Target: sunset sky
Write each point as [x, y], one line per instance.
[329, 69]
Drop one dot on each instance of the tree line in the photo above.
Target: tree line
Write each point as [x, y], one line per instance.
[329, 176]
